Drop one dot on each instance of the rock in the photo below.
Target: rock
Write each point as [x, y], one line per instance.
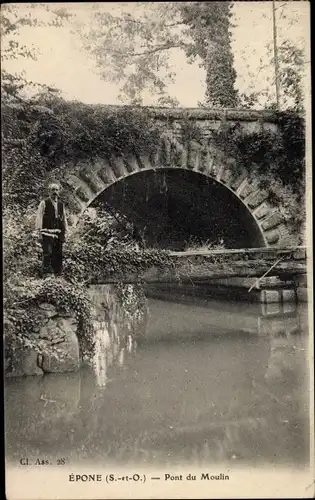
[47, 307]
[59, 340]
[62, 355]
[44, 335]
[289, 295]
[271, 296]
[50, 310]
[23, 362]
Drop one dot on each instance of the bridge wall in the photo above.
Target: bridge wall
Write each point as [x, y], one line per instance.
[91, 179]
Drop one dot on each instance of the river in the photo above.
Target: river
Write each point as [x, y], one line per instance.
[214, 382]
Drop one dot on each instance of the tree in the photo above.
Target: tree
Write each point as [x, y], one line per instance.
[209, 27]
[291, 71]
[133, 48]
[21, 118]
[13, 19]
[292, 63]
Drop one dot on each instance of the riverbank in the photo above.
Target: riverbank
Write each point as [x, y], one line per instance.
[60, 342]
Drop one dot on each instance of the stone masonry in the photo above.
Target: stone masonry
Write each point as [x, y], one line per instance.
[91, 179]
[57, 347]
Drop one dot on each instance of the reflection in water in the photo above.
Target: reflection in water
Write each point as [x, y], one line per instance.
[109, 348]
[113, 331]
[102, 353]
[207, 392]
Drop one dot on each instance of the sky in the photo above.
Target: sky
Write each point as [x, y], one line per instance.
[62, 62]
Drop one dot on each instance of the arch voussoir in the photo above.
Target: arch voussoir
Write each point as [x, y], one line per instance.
[105, 172]
[132, 163]
[89, 182]
[118, 166]
[256, 199]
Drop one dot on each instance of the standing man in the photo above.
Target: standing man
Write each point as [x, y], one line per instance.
[51, 224]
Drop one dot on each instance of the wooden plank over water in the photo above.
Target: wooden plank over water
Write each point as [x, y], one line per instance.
[298, 252]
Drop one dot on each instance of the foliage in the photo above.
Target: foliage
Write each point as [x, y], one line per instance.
[292, 160]
[209, 27]
[130, 48]
[20, 252]
[44, 137]
[100, 248]
[195, 244]
[266, 155]
[41, 137]
[14, 18]
[24, 318]
[89, 254]
[103, 249]
[292, 65]
[263, 152]
[292, 61]
[292, 68]
[133, 48]
[189, 131]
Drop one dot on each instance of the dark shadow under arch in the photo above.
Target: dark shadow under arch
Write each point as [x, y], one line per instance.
[172, 207]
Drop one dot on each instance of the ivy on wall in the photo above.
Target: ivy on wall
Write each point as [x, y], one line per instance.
[265, 153]
[276, 160]
[44, 139]
[23, 317]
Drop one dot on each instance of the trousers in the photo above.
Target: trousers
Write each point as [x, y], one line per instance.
[52, 255]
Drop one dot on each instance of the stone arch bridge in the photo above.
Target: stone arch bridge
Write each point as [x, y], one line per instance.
[265, 222]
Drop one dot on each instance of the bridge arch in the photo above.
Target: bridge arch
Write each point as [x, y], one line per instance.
[90, 181]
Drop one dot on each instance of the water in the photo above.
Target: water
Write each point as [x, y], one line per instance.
[214, 382]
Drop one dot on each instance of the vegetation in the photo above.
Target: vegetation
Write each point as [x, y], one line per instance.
[13, 19]
[208, 25]
[292, 61]
[100, 248]
[133, 47]
[24, 290]
[200, 246]
[104, 249]
[46, 136]
[266, 156]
